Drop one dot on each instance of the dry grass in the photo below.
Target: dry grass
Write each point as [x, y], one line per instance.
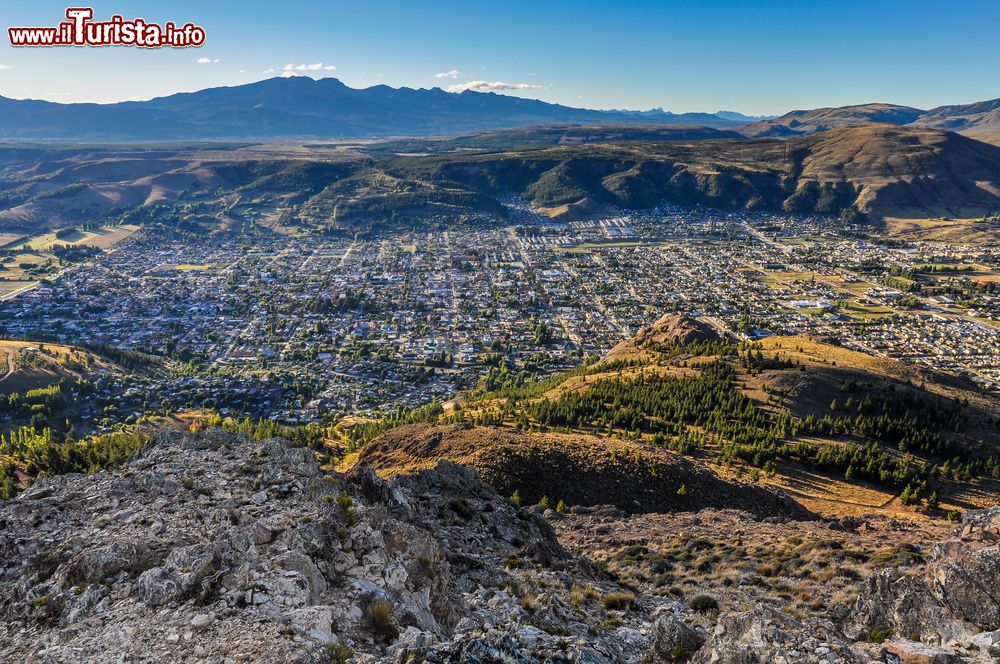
[580, 595]
[12, 287]
[102, 238]
[381, 618]
[618, 601]
[955, 231]
[803, 567]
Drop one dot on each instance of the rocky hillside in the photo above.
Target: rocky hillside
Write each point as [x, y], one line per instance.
[681, 418]
[880, 170]
[874, 170]
[216, 548]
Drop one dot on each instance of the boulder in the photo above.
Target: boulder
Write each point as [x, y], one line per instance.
[768, 635]
[673, 639]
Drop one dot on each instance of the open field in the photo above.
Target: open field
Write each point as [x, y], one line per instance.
[18, 267]
[17, 271]
[780, 280]
[958, 231]
[13, 287]
[10, 238]
[186, 267]
[865, 312]
[588, 247]
[102, 238]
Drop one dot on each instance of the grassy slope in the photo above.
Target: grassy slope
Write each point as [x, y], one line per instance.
[802, 391]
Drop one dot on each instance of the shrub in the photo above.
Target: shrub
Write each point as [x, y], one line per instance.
[515, 497]
[545, 502]
[336, 653]
[528, 604]
[621, 601]
[578, 595]
[380, 618]
[561, 506]
[703, 603]
[767, 569]
[513, 563]
[877, 635]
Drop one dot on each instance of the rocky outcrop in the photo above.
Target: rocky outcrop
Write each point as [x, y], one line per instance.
[674, 640]
[215, 548]
[768, 635]
[954, 604]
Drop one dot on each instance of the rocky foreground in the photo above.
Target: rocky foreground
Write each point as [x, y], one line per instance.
[215, 548]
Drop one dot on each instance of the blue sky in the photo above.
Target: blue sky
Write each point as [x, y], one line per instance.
[760, 57]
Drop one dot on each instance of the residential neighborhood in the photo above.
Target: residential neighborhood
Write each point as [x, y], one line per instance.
[309, 328]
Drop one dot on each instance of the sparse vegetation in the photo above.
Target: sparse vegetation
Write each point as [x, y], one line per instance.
[381, 619]
[618, 601]
[703, 603]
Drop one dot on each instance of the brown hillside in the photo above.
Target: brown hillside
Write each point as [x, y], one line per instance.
[577, 468]
[980, 120]
[907, 170]
[668, 329]
[805, 122]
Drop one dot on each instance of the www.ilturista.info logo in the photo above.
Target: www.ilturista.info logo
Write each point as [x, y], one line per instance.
[80, 30]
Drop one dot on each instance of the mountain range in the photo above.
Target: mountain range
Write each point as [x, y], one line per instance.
[873, 171]
[304, 108]
[301, 107]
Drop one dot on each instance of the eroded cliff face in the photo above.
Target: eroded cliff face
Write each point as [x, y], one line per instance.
[215, 548]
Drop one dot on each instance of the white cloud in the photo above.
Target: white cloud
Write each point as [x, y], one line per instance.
[454, 73]
[242, 71]
[206, 61]
[493, 86]
[5, 67]
[316, 66]
[269, 70]
[58, 94]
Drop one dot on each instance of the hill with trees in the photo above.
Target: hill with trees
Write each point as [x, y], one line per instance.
[836, 430]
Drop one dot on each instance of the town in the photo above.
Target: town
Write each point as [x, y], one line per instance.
[312, 328]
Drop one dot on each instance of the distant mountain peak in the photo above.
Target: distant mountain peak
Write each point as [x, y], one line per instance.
[736, 116]
[303, 107]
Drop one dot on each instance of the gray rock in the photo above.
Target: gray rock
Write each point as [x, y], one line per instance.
[768, 635]
[902, 651]
[674, 640]
[202, 621]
